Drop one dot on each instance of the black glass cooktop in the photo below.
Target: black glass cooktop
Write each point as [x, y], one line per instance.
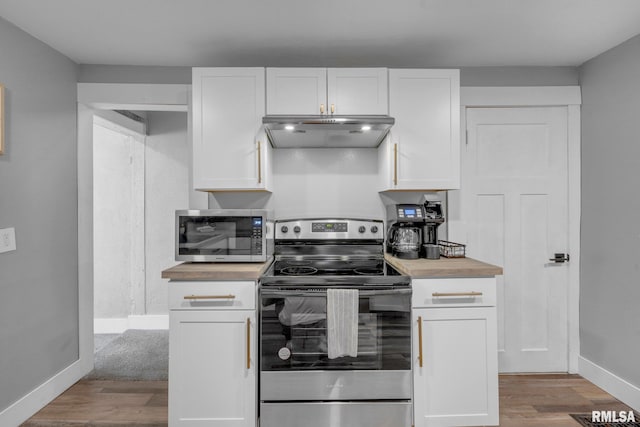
[332, 267]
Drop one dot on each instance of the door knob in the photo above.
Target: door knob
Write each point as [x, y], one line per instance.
[560, 258]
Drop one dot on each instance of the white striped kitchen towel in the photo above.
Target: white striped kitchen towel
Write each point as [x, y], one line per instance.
[342, 322]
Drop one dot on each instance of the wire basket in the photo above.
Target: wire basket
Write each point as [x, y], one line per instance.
[451, 249]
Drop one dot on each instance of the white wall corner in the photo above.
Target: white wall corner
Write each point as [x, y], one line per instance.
[619, 388]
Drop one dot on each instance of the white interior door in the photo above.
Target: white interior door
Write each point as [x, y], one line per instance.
[515, 205]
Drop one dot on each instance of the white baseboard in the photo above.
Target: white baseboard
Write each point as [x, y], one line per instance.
[119, 325]
[149, 321]
[37, 399]
[110, 326]
[622, 390]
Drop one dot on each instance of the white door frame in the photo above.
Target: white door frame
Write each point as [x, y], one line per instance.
[543, 96]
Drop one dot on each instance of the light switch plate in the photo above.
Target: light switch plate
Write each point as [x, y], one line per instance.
[7, 239]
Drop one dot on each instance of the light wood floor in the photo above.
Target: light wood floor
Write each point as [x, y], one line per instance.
[525, 401]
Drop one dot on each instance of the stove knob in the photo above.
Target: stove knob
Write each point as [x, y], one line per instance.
[374, 229]
[284, 229]
[362, 229]
[296, 229]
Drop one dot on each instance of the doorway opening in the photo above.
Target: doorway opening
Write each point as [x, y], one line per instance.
[140, 177]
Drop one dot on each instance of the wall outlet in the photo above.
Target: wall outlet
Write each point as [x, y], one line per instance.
[7, 239]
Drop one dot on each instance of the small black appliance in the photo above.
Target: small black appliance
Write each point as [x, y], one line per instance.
[412, 229]
[433, 218]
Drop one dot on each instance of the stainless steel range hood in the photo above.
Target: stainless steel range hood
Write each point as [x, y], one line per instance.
[326, 131]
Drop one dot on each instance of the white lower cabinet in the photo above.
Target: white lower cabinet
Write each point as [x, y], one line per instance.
[455, 370]
[212, 356]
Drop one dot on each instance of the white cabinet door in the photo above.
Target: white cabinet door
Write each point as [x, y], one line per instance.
[212, 368]
[423, 150]
[456, 370]
[314, 91]
[296, 91]
[357, 91]
[229, 150]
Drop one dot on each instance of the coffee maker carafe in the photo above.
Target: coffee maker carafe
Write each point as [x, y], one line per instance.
[405, 241]
[404, 234]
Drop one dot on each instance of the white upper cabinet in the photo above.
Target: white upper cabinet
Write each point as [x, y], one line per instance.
[313, 91]
[296, 90]
[422, 151]
[357, 91]
[230, 151]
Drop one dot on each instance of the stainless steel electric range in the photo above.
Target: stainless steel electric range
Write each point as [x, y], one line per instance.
[301, 381]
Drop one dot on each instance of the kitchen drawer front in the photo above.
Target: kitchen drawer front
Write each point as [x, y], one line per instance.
[212, 295]
[459, 292]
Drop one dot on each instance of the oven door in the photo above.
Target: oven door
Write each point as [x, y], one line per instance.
[294, 362]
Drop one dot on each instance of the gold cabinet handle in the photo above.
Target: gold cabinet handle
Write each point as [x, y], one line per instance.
[333, 108]
[420, 340]
[456, 294]
[248, 343]
[321, 108]
[395, 164]
[197, 297]
[259, 163]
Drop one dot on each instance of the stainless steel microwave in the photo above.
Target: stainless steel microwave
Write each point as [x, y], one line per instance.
[223, 235]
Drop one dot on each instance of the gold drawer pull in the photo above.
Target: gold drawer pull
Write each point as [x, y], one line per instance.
[259, 163]
[395, 164]
[456, 294]
[420, 340]
[197, 297]
[248, 343]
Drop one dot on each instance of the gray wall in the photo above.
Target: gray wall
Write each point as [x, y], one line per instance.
[38, 196]
[469, 76]
[610, 246]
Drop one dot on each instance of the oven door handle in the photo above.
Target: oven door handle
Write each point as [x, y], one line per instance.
[265, 292]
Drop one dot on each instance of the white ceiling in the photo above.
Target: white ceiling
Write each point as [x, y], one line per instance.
[401, 33]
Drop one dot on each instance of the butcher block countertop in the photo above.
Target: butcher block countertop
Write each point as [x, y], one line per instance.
[443, 267]
[416, 268]
[216, 271]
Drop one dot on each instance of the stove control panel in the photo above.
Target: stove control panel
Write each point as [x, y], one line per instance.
[329, 229]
